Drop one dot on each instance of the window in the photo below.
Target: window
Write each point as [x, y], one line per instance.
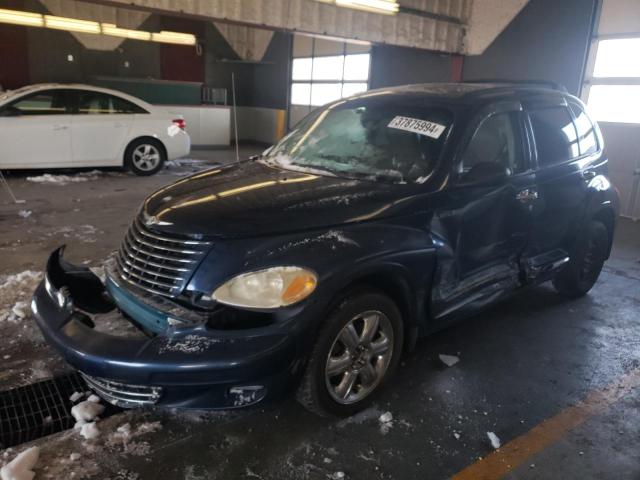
[50, 102]
[368, 138]
[320, 79]
[555, 134]
[496, 146]
[97, 103]
[614, 89]
[587, 140]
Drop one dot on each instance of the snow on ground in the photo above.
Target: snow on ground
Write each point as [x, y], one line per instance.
[68, 455]
[21, 467]
[493, 438]
[448, 360]
[85, 233]
[15, 293]
[61, 180]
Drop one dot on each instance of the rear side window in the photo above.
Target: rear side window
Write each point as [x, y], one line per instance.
[587, 140]
[48, 102]
[98, 103]
[555, 135]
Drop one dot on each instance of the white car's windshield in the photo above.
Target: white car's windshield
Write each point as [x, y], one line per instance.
[387, 139]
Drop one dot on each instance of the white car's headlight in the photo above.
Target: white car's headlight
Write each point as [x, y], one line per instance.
[271, 288]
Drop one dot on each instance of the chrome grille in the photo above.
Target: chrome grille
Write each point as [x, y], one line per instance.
[122, 394]
[158, 263]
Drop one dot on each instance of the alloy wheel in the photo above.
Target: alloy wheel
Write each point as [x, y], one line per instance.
[146, 157]
[359, 357]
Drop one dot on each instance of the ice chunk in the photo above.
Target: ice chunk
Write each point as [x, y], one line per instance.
[386, 417]
[493, 438]
[24, 213]
[21, 467]
[336, 476]
[76, 396]
[90, 431]
[448, 360]
[386, 422]
[456, 435]
[74, 456]
[86, 411]
[94, 399]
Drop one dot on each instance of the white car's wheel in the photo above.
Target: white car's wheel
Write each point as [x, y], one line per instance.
[145, 156]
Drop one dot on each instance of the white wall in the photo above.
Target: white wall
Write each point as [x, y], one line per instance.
[206, 125]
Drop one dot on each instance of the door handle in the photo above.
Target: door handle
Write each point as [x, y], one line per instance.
[527, 195]
[588, 174]
[60, 127]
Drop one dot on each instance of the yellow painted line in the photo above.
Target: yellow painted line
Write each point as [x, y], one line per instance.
[515, 453]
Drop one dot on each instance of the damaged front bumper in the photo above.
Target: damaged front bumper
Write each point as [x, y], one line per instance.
[193, 366]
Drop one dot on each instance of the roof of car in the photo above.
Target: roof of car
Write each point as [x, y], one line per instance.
[9, 95]
[472, 92]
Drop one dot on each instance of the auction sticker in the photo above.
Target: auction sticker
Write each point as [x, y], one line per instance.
[415, 125]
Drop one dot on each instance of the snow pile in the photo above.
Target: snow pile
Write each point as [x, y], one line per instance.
[61, 180]
[448, 360]
[89, 431]
[493, 438]
[21, 467]
[386, 422]
[15, 290]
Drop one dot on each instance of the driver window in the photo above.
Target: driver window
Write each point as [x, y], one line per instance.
[495, 147]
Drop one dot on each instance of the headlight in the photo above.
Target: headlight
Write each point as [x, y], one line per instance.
[270, 288]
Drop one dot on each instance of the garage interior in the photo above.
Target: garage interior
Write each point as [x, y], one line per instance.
[556, 380]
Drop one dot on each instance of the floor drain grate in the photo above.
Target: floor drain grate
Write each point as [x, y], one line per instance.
[39, 409]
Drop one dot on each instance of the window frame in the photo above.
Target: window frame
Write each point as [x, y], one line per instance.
[66, 93]
[340, 81]
[535, 161]
[594, 126]
[507, 108]
[75, 109]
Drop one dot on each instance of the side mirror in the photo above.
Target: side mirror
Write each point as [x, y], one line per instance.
[486, 173]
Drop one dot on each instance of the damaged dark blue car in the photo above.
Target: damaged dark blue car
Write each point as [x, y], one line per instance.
[378, 219]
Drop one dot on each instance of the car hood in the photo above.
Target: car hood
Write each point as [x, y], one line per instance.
[253, 199]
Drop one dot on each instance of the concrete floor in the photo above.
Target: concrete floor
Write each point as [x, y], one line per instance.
[557, 381]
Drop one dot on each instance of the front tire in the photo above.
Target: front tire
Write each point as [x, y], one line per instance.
[145, 156]
[357, 350]
[584, 267]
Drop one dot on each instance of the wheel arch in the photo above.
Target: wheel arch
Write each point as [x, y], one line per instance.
[608, 218]
[398, 285]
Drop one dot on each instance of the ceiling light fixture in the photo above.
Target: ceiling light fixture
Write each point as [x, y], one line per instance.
[71, 24]
[21, 18]
[384, 7]
[16, 17]
[111, 29]
[174, 37]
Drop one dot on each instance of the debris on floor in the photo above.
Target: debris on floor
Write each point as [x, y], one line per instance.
[495, 441]
[386, 422]
[21, 467]
[449, 360]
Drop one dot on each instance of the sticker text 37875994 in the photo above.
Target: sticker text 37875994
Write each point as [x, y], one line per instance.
[415, 125]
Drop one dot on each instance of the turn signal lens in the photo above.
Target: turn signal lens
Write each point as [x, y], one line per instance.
[271, 288]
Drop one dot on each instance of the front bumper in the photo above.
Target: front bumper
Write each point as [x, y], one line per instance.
[191, 367]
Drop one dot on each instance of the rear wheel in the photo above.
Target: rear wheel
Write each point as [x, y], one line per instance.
[584, 267]
[145, 156]
[357, 349]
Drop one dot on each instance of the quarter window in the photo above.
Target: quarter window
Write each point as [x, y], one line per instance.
[555, 134]
[50, 102]
[97, 103]
[495, 146]
[587, 140]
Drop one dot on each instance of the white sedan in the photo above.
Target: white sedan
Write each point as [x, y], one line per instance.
[68, 126]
